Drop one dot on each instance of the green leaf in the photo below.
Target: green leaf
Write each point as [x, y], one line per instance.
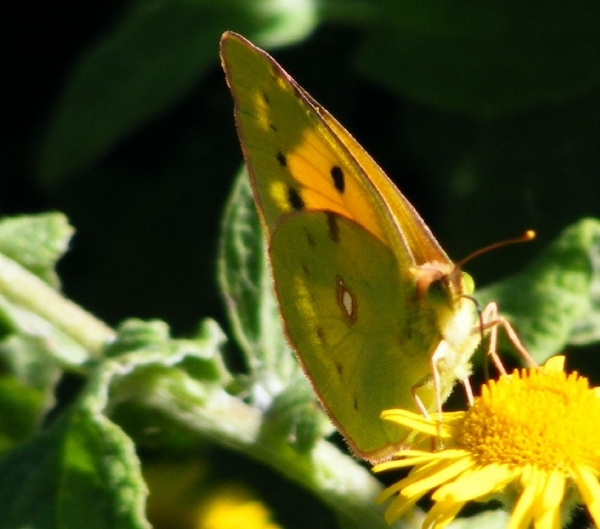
[36, 242]
[246, 283]
[31, 310]
[84, 467]
[20, 411]
[39, 329]
[152, 58]
[485, 59]
[555, 301]
[154, 386]
[41, 338]
[296, 415]
[272, 23]
[139, 343]
[81, 470]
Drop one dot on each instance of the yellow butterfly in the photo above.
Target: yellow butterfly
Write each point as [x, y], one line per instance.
[376, 312]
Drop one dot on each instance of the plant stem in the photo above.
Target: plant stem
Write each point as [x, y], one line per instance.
[28, 291]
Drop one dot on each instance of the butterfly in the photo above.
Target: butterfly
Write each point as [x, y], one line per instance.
[376, 312]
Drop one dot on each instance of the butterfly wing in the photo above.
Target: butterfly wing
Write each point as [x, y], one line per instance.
[300, 158]
[306, 170]
[363, 342]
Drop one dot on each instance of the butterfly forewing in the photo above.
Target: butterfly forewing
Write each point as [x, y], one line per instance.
[297, 163]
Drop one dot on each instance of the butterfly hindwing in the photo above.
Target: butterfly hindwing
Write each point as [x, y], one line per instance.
[355, 322]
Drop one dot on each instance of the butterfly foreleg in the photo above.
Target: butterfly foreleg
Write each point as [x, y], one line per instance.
[492, 321]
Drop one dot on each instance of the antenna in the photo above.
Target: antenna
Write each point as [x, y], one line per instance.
[529, 235]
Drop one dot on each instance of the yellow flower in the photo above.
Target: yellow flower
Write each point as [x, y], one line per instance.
[182, 496]
[232, 508]
[531, 439]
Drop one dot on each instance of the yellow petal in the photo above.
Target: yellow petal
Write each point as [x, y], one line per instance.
[589, 488]
[556, 364]
[523, 512]
[442, 513]
[477, 482]
[441, 475]
[547, 514]
[398, 507]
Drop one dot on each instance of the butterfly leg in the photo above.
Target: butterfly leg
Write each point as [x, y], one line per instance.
[436, 443]
[468, 390]
[418, 402]
[441, 352]
[492, 321]
[435, 378]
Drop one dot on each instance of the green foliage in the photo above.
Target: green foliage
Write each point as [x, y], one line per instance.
[83, 467]
[555, 302]
[486, 60]
[488, 116]
[84, 464]
[247, 287]
[153, 56]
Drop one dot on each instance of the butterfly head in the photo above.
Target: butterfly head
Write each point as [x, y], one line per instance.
[443, 284]
[447, 284]
[446, 291]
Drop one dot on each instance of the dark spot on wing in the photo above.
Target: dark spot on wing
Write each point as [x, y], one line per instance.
[294, 199]
[355, 402]
[321, 334]
[265, 97]
[334, 229]
[339, 368]
[281, 159]
[338, 178]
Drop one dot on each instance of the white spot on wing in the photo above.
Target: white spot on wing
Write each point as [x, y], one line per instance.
[348, 303]
[346, 300]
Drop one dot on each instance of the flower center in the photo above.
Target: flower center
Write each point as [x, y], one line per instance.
[535, 417]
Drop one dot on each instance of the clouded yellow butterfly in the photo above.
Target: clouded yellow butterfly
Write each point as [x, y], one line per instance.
[372, 305]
